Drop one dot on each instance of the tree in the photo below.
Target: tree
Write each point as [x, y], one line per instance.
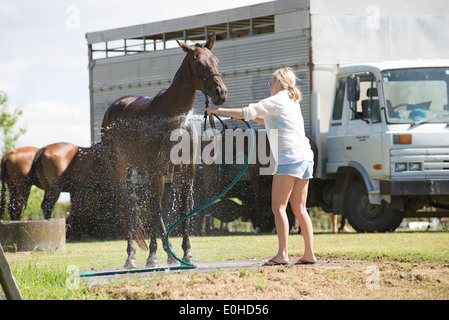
[8, 122]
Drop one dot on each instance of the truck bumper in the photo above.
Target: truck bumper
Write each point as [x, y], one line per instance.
[414, 187]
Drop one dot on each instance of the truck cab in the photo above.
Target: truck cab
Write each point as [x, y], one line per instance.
[388, 142]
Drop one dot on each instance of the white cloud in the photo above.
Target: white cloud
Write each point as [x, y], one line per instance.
[10, 74]
[51, 121]
[7, 9]
[58, 57]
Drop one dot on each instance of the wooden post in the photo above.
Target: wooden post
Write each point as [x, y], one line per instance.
[7, 280]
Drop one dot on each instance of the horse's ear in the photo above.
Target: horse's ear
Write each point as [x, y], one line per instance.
[184, 46]
[210, 43]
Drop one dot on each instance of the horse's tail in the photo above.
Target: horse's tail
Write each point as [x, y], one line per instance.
[33, 171]
[135, 225]
[139, 234]
[3, 176]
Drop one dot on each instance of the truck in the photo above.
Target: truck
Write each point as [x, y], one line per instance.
[374, 79]
[388, 142]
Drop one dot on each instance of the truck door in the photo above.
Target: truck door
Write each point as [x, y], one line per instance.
[363, 134]
[361, 143]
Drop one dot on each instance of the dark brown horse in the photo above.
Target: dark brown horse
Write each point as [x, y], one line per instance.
[15, 174]
[136, 134]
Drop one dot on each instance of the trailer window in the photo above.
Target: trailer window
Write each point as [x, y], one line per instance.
[167, 40]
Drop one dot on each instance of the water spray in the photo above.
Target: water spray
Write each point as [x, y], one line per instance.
[184, 264]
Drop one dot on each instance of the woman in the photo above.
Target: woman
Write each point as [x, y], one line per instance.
[282, 112]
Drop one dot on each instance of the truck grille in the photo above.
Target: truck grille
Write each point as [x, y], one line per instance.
[434, 163]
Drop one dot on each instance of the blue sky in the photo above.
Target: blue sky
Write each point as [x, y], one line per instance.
[43, 56]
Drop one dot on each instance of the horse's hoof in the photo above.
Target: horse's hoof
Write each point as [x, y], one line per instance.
[171, 260]
[188, 259]
[130, 264]
[152, 263]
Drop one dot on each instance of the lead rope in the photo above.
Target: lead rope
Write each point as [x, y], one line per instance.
[211, 118]
[189, 265]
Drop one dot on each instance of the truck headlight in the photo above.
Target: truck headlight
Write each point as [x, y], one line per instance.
[415, 166]
[400, 166]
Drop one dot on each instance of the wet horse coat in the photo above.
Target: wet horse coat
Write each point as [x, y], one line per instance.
[136, 134]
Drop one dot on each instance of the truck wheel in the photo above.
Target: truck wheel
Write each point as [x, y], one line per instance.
[366, 217]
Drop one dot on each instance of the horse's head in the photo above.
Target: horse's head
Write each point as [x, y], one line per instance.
[203, 68]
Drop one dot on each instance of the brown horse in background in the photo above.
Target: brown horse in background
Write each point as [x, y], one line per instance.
[56, 168]
[136, 135]
[15, 174]
[65, 167]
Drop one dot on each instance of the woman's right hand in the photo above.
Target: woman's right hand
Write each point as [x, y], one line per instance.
[211, 110]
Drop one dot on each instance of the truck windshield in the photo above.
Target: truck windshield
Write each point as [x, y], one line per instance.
[416, 95]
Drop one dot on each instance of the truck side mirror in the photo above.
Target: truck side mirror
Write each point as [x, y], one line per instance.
[353, 87]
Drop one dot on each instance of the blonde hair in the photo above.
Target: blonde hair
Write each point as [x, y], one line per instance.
[288, 81]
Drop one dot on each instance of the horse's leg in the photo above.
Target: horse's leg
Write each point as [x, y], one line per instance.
[118, 174]
[21, 200]
[121, 196]
[50, 198]
[131, 261]
[132, 217]
[156, 191]
[184, 183]
[156, 188]
[14, 207]
[122, 207]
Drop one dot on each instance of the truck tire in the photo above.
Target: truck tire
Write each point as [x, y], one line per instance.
[366, 217]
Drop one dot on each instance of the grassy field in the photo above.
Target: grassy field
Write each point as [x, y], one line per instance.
[43, 275]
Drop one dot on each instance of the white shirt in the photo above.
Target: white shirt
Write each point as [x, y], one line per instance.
[284, 115]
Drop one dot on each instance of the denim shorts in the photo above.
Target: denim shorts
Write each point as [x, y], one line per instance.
[301, 170]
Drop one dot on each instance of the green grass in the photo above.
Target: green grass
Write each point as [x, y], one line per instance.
[43, 275]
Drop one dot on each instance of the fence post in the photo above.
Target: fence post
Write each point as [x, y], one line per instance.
[7, 280]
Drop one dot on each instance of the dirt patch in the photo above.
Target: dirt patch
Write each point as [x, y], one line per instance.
[329, 279]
